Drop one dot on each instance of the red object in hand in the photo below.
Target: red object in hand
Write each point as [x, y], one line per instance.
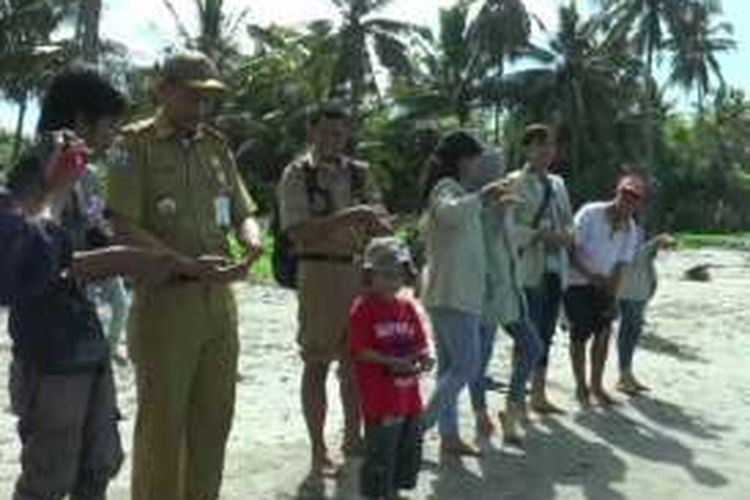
[73, 161]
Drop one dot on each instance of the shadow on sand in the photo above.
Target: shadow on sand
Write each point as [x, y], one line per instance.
[650, 341]
[554, 456]
[648, 443]
[672, 416]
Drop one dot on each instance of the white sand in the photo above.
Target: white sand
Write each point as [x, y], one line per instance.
[689, 440]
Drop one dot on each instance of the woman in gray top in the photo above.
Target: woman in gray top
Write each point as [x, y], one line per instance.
[637, 288]
[454, 291]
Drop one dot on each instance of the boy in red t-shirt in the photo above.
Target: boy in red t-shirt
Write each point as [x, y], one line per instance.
[389, 349]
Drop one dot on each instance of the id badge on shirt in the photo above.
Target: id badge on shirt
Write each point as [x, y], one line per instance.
[223, 211]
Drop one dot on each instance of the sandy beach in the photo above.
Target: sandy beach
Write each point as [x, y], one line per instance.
[689, 439]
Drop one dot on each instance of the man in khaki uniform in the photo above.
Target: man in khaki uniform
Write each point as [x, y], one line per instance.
[174, 186]
[329, 207]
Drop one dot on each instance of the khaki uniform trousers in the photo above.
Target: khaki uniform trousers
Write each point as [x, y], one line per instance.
[325, 293]
[184, 346]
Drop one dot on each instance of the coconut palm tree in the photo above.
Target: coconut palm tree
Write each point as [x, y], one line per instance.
[465, 67]
[586, 86]
[448, 74]
[87, 29]
[499, 34]
[366, 42]
[217, 29]
[647, 25]
[695, 47]
[27, 52]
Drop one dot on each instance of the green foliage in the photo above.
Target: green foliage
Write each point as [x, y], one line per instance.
[218, 29]
[6, 151]
[361, 34]
[593, 80]
[28, 54]
[702, 174]
[262, 269]
[734, 241]
[272, 90]
[398, 149]
[695, 49]
[589, 90]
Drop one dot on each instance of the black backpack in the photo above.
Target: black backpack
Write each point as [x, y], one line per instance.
[284, 260]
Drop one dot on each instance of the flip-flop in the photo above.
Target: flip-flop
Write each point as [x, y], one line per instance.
[547, 408]
[628, 389]
[462, 450]
[604, 399]
[509, 439]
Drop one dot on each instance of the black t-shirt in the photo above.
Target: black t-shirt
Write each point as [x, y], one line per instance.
[26, 260]
[58, 330]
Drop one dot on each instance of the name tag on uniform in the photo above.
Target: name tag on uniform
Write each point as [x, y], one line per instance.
[223, 211]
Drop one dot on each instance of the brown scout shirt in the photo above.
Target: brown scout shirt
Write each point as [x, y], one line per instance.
[326, 289]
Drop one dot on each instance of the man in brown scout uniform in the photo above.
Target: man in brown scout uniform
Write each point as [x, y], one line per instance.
[329, 208]
[174, 186]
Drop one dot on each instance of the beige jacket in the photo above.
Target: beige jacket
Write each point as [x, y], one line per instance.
[533, 253]
[504, 298]
[456, 263]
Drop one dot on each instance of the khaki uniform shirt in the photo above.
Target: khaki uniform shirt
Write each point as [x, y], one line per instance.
[335, 183]
[326, 289]
[173, 187]
[186, 192]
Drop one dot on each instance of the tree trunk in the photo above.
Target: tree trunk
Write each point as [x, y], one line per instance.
[356, 97]
[650, 113]
[497, 123]
[498, 98]
[88, 29]
[18, 136]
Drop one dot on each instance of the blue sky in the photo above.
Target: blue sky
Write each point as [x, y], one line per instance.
[146, 27]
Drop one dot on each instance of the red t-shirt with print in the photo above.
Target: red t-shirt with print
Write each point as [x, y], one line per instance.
[394, 328]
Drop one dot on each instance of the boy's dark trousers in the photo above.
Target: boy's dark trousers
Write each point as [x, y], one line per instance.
[393, 456]
[68, 429]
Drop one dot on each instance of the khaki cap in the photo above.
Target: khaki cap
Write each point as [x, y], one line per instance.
[387, 254]
[193, 70]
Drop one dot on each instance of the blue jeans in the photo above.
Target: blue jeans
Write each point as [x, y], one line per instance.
[478, 387]
[530, 349]
[457, 341]
[632, 314]
[544, 310]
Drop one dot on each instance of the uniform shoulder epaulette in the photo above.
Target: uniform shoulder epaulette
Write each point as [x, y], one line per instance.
[214, 133]
[139, 127]
[359, 163]
[299, 162]
[556, 178]
[515, 174]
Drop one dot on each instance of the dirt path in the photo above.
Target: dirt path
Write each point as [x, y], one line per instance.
[689, 440]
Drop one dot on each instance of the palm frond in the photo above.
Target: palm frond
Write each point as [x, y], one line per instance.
[392, 54]
[181, 28]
